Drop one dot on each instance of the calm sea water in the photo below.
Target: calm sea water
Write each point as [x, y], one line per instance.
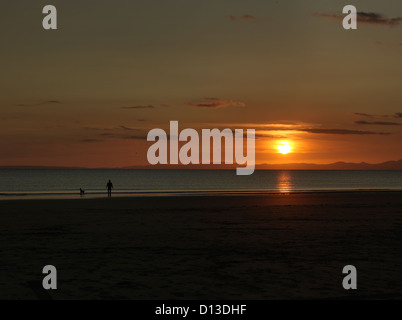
[66, 183]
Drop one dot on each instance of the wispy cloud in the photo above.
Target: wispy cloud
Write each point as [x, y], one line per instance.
[216, 103]
[91, 140]
[378, 123]
[342, 131]
[376, 18]
[270, 131]
[136, 137]
[316, 129]
[368, 115]
[244, 17]
[259, 135]
[120, 132]
[367, 18]
[280, 129]
[38, 104]
[140, 107]
[360, 114]
[127, 128]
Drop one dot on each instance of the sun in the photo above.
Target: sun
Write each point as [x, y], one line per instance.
[284, 147]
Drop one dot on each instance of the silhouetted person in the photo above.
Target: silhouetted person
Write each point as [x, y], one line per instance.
[82, 192]
[109, 187]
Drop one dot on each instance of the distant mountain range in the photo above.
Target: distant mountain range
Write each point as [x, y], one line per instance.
[389, 165]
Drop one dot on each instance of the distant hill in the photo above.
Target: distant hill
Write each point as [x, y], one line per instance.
[388, 165]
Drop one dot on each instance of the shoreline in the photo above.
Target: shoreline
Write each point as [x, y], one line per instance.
[140, 194]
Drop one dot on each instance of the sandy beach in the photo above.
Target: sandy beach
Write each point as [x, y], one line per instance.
[274, 246]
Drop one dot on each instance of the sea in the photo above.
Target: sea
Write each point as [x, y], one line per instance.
[66, 183]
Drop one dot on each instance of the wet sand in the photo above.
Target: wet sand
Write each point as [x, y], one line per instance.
[275, 246]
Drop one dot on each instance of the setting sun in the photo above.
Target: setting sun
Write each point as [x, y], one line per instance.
[284, 147]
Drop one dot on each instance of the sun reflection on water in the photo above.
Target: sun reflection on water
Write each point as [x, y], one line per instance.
[284, 181]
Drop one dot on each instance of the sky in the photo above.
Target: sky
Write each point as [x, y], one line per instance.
[88, 93]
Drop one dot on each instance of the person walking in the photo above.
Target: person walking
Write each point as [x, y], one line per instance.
[109, 188]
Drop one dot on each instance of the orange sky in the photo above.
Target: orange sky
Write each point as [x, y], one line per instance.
[88, 93]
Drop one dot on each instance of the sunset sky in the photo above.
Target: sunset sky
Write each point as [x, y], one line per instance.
[88, 93]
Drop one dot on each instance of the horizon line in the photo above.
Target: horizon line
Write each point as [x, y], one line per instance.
[263, 166]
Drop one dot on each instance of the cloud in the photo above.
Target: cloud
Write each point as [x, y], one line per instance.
[270, 132]
[109, 129]
[90, 140]
[274, 130]
[364, 114]
[216, 103]
[395, 115]
[127, 128]
[244, 17]
[136, 137]
[38, 104]
[120, 132]
[309, 128]
[266, 136]
[376, 18]
[149, 106]
[341, 131]
[379, 123]
[366, 17]
[139, 107]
